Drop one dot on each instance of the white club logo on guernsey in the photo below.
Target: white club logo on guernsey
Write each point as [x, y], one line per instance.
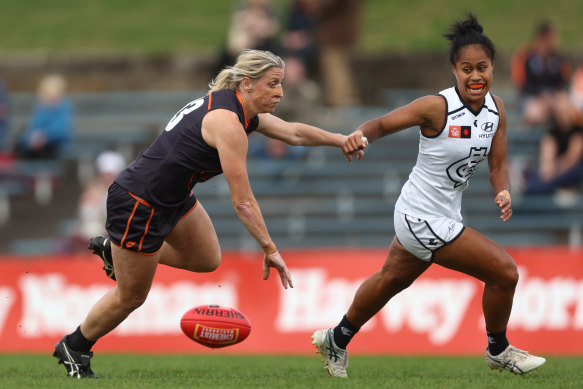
[461, 171]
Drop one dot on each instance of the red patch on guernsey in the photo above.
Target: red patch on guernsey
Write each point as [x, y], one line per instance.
[460, 132]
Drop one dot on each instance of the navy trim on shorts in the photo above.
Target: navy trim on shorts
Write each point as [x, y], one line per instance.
[415, 236]
[434, 234]
[451, 241]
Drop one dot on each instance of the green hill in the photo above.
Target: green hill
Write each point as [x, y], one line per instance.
[174, 26]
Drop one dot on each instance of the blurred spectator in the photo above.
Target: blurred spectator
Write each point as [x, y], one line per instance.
[299, 37]
[274, 149]
[300, 53]
[91, 209]
[254, 25]
[279, 154]
[50, 125]
[560, 161]
[337, 29]
[4, 112]
[542, 75]
[576, 94]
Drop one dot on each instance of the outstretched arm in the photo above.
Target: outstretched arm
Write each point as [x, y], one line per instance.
[426, 112]
[222, 130]
[297, 134]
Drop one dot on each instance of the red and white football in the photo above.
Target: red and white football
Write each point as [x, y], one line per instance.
[215, 326]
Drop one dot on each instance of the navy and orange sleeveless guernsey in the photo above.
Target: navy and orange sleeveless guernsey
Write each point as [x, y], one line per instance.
[165, 173]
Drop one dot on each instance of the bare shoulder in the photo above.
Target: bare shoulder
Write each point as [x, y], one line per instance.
[499, 103]
[222, 121]
[221, 124]
[220, 116]
[429, 103]
[430, 110]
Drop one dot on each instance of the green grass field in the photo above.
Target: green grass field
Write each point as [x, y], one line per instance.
[153, 26]
[220, 371]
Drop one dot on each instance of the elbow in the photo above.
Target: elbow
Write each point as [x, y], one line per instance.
[296, 137]
[295, 141]
[242, 207]
[244, 210]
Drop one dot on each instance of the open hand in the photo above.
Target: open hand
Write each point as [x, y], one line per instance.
[276, 261]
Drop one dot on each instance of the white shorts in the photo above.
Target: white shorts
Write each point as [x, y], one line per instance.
[422, 237]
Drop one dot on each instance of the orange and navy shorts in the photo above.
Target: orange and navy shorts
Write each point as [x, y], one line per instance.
[132, 223]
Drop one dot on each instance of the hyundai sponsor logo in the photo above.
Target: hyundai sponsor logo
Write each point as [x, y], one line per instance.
[488, 127]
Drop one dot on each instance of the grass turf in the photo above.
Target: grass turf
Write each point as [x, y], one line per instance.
[152, 26]
[252, 371]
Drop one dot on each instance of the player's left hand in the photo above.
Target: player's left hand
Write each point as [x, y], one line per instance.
[276, 261]
[504, 201]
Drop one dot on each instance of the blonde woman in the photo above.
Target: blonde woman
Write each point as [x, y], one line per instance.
[153, 216]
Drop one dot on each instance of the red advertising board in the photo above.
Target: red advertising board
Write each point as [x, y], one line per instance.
[42, 299]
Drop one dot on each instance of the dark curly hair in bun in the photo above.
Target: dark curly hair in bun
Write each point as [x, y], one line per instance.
[467, 32]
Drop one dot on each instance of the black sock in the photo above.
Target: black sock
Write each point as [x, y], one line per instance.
[344, 332]
[497, 342]
[78, 342]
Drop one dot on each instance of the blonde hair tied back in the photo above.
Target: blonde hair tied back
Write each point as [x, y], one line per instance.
[250, 63]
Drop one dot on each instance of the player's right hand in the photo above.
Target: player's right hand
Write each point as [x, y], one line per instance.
[276, 261]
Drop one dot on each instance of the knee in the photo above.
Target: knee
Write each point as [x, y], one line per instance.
[206, 264]
[507, 277]
[132, 301]
[209, 265]
[393, 282]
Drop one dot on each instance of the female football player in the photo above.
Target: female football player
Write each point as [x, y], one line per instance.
[153, 216]
[459, 128]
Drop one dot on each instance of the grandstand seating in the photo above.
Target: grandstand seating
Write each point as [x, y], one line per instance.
[317, 201]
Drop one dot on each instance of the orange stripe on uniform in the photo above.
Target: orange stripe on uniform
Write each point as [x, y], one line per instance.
[210, 99]
[140, 200]
[242, 106]
[128, 225]
[190, 210]
[146, 230]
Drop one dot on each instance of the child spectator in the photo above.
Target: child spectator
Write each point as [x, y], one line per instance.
[49, 129]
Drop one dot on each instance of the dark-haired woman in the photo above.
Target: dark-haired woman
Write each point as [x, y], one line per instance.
[459, 128]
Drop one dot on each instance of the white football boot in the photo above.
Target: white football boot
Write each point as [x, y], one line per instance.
[514, 360]
[335, 358]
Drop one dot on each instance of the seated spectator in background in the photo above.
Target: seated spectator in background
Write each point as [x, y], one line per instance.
[576, 94]
[254, 25]
[50, 126]
[560, 161]
[92, 204]
[276, 150]
[337, 30]
[542, 75]
[91, 210]
[300, 53]
[279, 154]
[4, 111]
[299, 38]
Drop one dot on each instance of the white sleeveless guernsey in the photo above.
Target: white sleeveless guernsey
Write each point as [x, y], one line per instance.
[448, 160]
